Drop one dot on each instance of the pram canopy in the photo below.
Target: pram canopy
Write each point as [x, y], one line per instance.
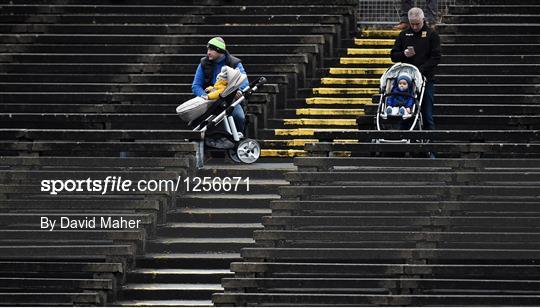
[197, 106]
[402, 69]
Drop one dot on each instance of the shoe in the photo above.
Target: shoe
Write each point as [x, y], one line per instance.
[388, 110]
[402, 111]
[401, 26]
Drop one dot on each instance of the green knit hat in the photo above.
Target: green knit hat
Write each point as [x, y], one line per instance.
[217, 44]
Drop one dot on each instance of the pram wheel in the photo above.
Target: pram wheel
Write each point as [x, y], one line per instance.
[247, 151]
[233, 156]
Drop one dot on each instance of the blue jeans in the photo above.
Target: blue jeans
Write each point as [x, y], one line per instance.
[239, 118]
[427, 106]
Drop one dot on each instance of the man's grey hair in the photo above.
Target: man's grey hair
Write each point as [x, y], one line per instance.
[416, 14]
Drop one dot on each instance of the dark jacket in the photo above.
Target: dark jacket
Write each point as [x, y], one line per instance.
[207, 72]
[427, 45]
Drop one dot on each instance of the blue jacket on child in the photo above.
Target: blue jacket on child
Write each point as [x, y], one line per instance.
[401, 100]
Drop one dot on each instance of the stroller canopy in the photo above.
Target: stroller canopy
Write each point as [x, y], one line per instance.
[403, 69]
[234, 78]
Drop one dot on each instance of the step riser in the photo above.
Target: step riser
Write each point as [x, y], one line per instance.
[253, 174]
[195, 247]
[490, 50]
[496, 10]
[171, 278]
[493, 19]
[153, 294]
[192, 263]
[514, 59]
[223, 203]
[465, 69]
[200, 232]
[214, 218]
[489, 39]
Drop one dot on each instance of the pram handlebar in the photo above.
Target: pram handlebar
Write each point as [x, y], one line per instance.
[254, 86]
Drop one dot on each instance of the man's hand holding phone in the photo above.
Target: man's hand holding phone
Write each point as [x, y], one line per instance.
[409, 52]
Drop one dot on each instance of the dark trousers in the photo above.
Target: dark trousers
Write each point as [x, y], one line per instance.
[427, 106]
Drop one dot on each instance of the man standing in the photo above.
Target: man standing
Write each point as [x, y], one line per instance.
[431, 10]
[216, 57]
[421, 47]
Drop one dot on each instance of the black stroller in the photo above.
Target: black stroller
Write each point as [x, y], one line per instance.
[240, 149]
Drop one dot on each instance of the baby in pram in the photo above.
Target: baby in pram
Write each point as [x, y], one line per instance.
[401, 99]
[218, 87]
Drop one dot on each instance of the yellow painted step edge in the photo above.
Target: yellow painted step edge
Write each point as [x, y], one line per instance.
[324, 111]
[329, 122]
[365, 61]
[352, 81]
[356, 71]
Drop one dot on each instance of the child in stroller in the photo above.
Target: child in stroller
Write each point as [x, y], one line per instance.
[204, 114]
[401, 101]
[399, 106]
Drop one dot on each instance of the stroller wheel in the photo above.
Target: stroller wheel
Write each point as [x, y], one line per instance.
[233, 156]
[248, 151]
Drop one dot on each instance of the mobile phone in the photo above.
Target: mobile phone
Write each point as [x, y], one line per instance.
[410, 48]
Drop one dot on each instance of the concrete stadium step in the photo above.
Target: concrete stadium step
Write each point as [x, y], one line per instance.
[175, 9]
[170, 29]
[96, 108]
[172, 19]
[164, 303]
[490, 19]
[490, 69]
[312, 122]
[486, 79]
[193, 39]
[490, 48]
[255, 171]
[114, 68]
[102, 19]
[169, 291]
[281, 80]
[490, 59]
[187, 261]
[495, 9]
[217, 230]
[210, 215]
[286, 299]
[53, 299]
[487, 99]
[295, 133]
[198, 244]
[146, 275]
[329, 112]
[152, 49]
[104, 97]
[116, 58]
[226, 201]
[489, 39]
